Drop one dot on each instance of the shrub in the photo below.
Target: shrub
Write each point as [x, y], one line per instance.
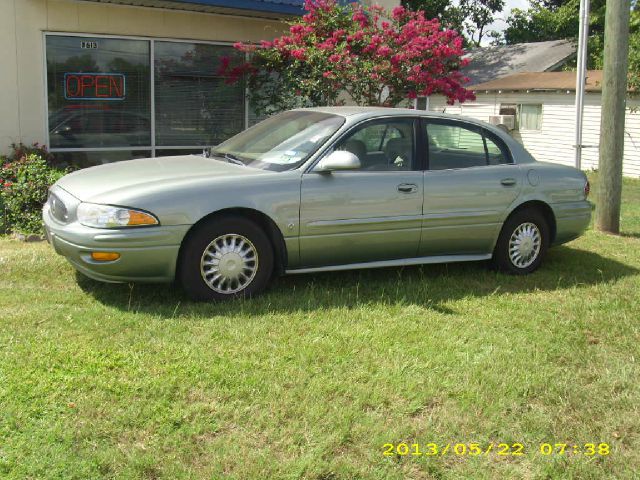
[24, 183]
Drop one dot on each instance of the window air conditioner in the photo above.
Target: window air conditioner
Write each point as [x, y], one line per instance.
[509, 121]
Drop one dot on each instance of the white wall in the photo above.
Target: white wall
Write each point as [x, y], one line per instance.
[22, 23]
[554, 142]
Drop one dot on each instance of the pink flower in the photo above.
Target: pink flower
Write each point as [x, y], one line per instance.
[398, 12]
[360, 17]
[299, 54]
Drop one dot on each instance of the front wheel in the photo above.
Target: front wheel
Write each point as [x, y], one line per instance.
[523, 243]
[225, 258]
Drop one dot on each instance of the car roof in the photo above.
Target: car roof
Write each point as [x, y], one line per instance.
[359, 113]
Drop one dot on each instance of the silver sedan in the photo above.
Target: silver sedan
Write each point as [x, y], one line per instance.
[315, 190]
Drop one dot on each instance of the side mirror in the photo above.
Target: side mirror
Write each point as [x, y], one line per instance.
[338, 160]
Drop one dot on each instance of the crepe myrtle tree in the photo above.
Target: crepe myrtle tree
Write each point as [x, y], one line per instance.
[371, 55]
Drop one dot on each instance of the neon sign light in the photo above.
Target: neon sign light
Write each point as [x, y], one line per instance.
[94, 86]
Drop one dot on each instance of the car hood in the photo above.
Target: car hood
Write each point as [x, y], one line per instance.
[107, 182]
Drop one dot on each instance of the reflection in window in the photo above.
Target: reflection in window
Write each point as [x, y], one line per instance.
[98, 92]
[283, 141]
[194, 105]
[90, 159]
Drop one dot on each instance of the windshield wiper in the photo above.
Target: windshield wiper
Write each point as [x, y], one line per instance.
[229, 157]
[233, 159]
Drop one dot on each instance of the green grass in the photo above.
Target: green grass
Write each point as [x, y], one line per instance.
[311, 379]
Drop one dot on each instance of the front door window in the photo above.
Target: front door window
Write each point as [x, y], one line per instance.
[383, 146]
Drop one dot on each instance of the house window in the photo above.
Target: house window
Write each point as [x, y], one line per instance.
[108, 102]
[528, 115]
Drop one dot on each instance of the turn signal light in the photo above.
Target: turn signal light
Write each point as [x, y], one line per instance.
[105, 256]
[141, 218]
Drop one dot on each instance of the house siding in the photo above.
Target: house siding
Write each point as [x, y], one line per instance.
[554, 141]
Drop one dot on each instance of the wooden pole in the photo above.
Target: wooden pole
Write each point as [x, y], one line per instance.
[614, 96]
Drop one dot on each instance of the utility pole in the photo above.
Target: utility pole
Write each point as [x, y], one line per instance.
[581, 76]
[614, 96]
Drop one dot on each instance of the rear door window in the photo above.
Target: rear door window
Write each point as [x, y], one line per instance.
[453, 146]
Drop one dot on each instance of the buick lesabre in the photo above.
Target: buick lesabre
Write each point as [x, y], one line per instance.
[314, 190]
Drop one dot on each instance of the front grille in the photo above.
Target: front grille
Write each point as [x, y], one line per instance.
[57, 208]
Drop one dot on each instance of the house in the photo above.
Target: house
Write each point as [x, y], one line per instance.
[524, 88]
[104, 80]
[539, 110]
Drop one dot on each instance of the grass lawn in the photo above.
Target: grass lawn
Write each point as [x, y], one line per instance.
[313, 378]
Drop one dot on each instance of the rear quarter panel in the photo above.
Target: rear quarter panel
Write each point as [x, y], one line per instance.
[562, 188]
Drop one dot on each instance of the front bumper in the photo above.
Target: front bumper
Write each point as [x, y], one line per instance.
[147, 254]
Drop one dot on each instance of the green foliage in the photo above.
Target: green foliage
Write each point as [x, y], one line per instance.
[20, 150]
[469, 17]
[540, 23]
[24, 183]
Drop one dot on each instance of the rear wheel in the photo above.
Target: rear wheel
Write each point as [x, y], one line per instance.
[225, 258]
[523, 242]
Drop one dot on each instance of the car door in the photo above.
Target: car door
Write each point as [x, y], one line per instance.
[469, 184]
[370, 213]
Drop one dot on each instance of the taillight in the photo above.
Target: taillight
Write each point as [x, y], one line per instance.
[587, 188]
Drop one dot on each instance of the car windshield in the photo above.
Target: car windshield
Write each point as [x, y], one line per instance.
[282, 142]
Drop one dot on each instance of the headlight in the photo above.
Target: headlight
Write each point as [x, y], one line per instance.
[107, 216]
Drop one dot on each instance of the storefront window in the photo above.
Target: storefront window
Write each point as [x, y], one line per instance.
[194, 105]
[100, 98]
[98, 92]
[88, 158]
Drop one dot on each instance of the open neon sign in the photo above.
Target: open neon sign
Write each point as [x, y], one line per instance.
[94, 86]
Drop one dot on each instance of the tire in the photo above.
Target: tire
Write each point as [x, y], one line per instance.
[528, 226]
[225, 258]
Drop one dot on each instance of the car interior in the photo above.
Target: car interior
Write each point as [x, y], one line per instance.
[382, 146]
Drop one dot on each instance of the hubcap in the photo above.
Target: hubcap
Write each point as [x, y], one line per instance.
[229, 263]
[524, 245]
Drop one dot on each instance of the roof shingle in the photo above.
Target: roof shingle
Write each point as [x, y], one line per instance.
[489, 63]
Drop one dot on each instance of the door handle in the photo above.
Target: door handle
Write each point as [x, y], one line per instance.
[407, 188]
[508, 182]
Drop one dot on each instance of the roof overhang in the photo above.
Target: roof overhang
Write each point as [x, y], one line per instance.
[532, 82]
[249, 8]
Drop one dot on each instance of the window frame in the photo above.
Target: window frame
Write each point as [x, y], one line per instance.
[519, 116]
[152, 148]
[418, 164]
[484, 133]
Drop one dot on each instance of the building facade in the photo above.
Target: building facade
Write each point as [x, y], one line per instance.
[105, 80]
[99, 81]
